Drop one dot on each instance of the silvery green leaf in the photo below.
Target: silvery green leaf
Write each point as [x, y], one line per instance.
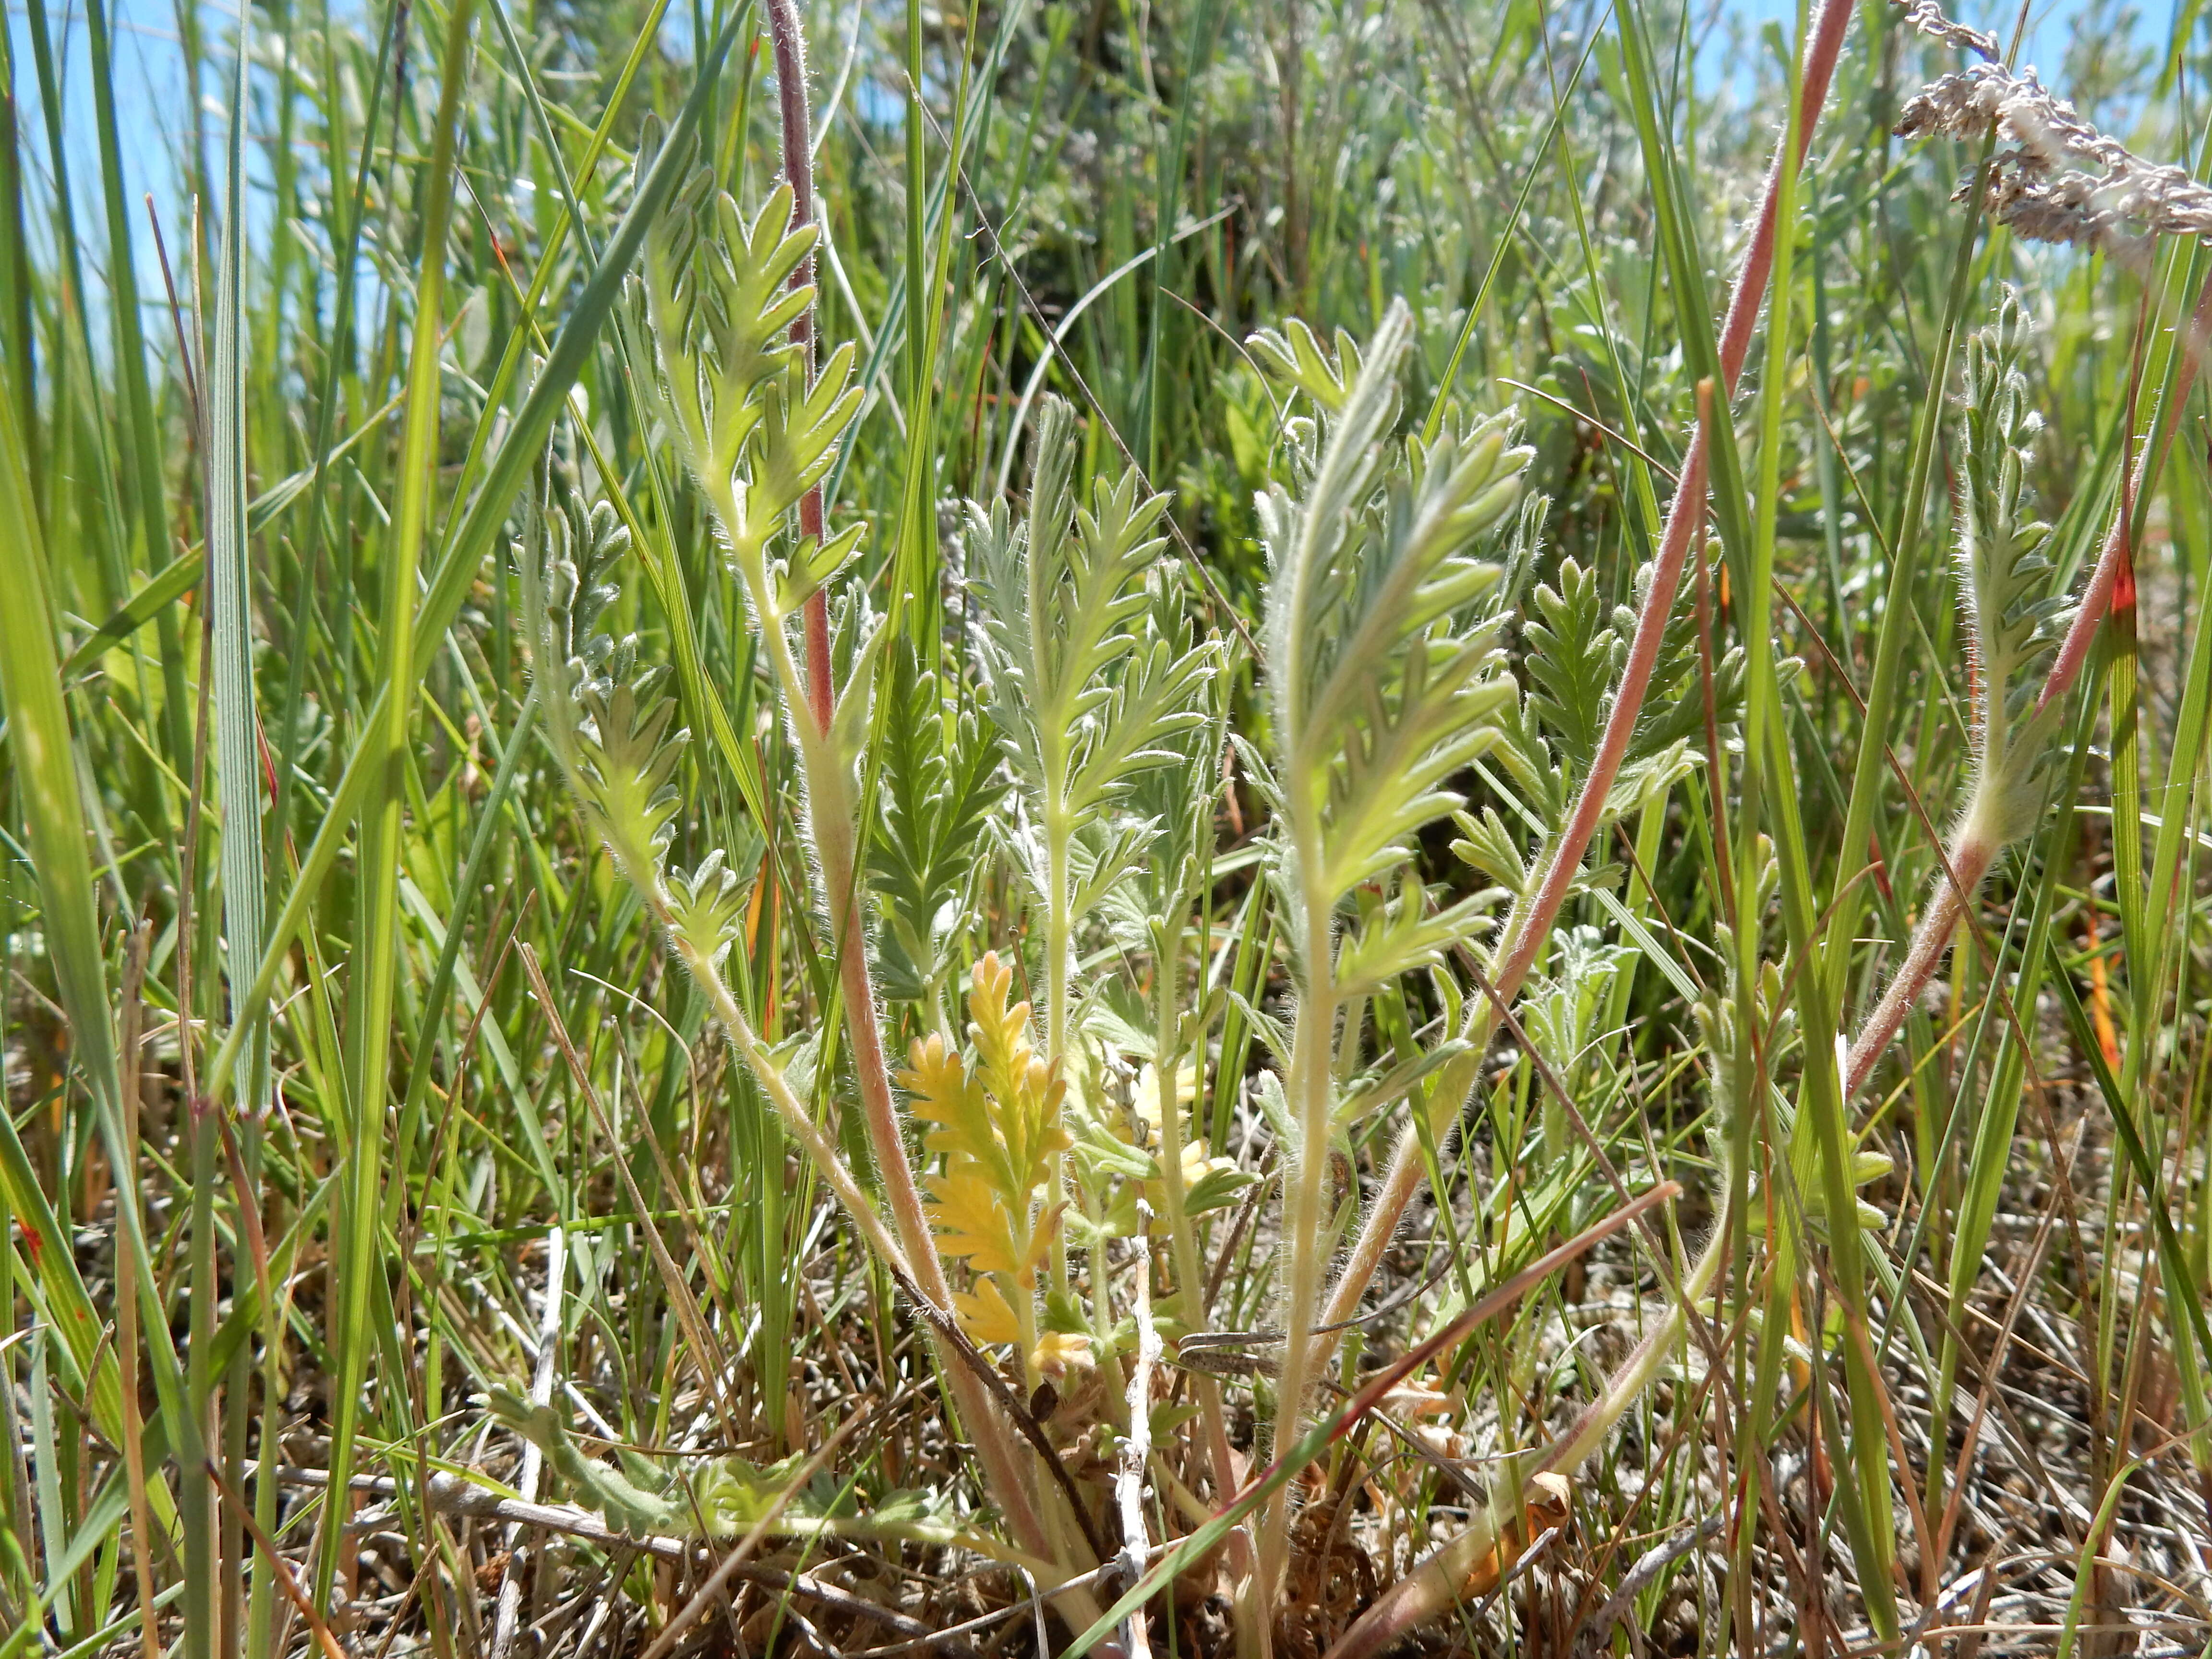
[1272, 1031]
[1377, 1088]
[1399, 935]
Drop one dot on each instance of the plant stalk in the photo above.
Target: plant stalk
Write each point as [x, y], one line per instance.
[1189, 1275]
[1312, 1091]
[833, 827]
[1972, 853]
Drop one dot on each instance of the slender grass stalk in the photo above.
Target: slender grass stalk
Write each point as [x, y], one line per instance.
[370, 989]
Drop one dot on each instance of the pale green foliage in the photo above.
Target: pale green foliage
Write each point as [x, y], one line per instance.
[707, 906]
[1573, 659]
[1772, 1013]
[1177, 802]
[2014, 617]
[1564, 1014]
[1382, 684]
[940, 783]
[630, 756]
[1573, 647]
[1294, 357]
[717, 297]
[1093, 677]
[1396, 935]
[564, 562]
[1091, 684]
[755, 429]
[607, 719]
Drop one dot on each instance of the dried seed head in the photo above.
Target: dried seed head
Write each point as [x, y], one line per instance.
[1928, 18]
[2063, 180]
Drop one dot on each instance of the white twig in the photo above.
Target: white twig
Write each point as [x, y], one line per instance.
[506, 1618]
[1137, 1445]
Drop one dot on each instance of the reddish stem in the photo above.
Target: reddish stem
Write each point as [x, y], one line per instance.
[840, 875]
[1970, 864]
[2097, 597]
[1532, 924]
[1684, 515]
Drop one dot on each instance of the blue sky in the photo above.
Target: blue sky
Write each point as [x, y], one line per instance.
[151, 113]
[153, 108]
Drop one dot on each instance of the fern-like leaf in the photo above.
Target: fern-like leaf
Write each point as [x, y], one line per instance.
[718, 296]
[1386, 682]
[706, 907]
[801, 423]
[626, 763]
[1085, 696]
[1574, 657]
[1295, 356]
[940, 781]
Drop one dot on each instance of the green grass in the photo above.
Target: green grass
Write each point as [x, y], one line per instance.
[507, 934]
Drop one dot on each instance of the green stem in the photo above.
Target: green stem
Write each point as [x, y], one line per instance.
[1190, 1279]
[1059, 943]
[1312, 1096]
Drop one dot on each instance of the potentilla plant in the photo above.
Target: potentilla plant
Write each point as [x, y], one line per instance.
[1055, 1236]
[1385, 681]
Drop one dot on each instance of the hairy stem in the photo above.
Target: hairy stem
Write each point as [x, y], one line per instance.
[1312, 1093]
[1972, 855]
[1930, 939]
[1058, 940]
[1530, 927]
[1189, 1276]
